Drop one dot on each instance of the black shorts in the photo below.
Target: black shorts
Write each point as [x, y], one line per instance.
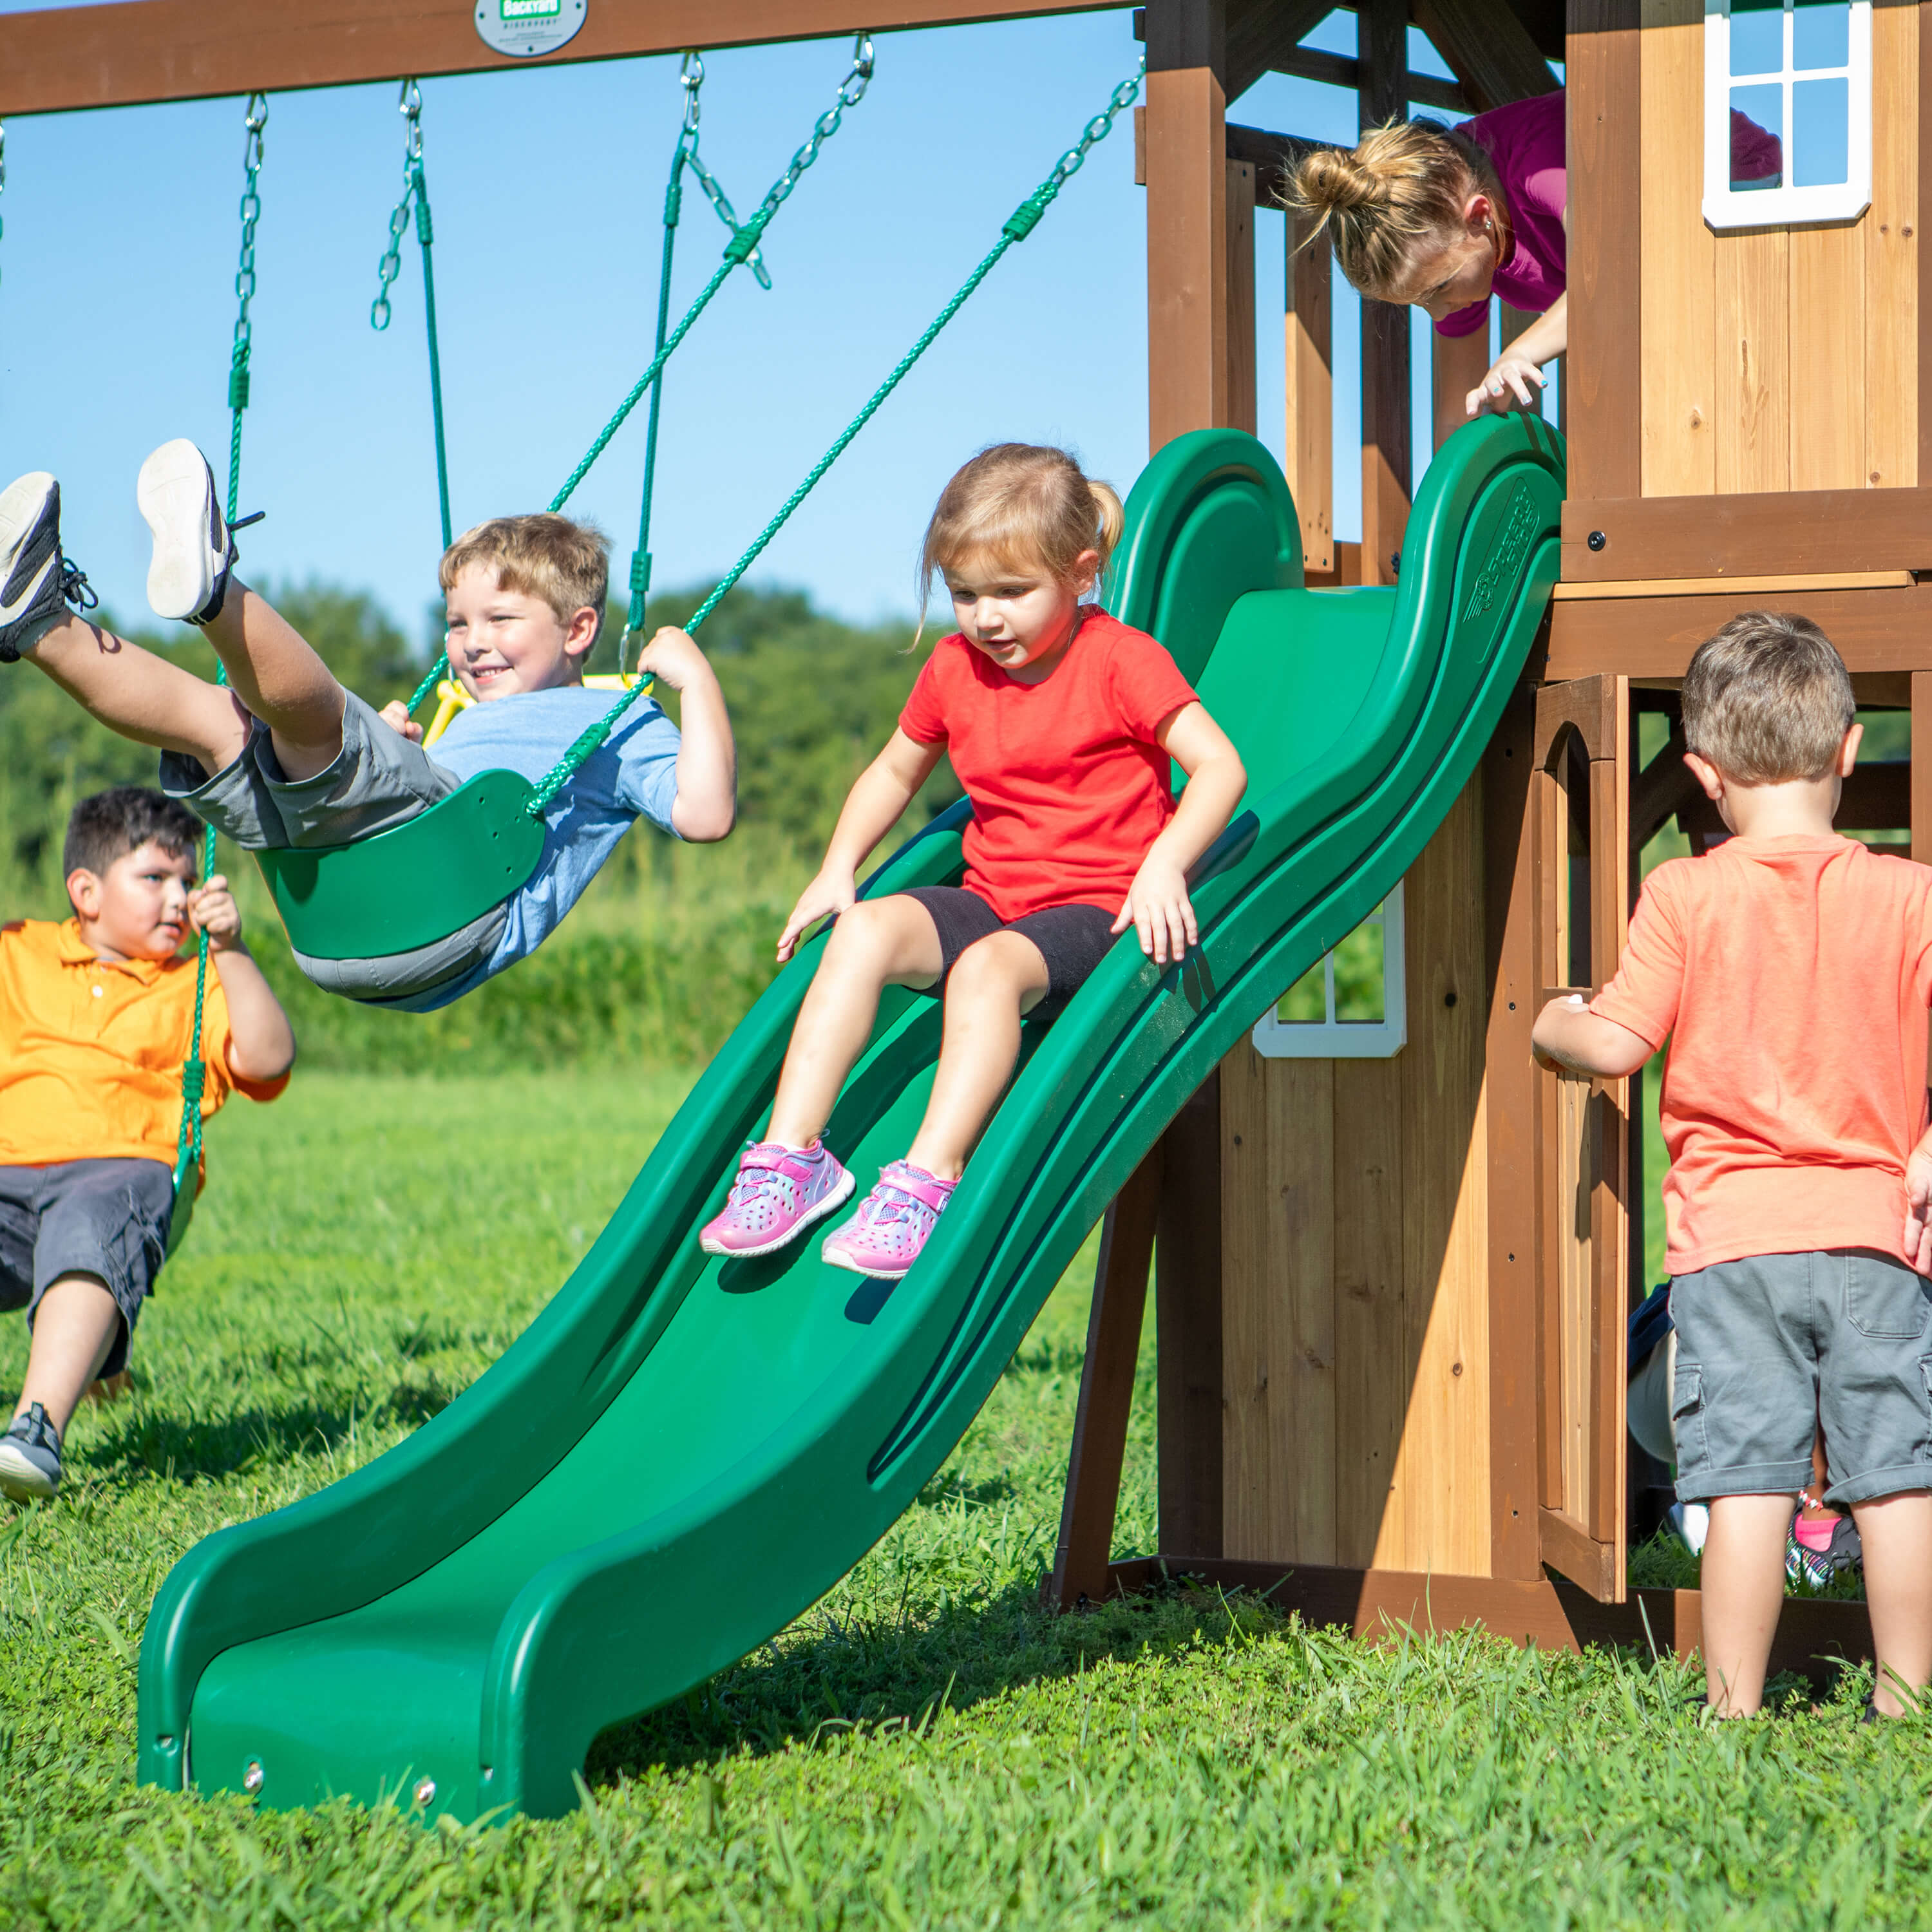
[1071, 939]
[106, 1218]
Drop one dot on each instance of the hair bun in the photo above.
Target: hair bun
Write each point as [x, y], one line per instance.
[1331, 181]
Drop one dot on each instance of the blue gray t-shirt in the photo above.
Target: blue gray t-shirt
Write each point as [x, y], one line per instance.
[633, 774]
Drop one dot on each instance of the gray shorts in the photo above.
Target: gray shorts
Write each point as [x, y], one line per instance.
[1770, 1348]
[105, 1218]
[379, 780]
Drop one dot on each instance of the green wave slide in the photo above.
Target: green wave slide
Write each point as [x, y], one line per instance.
[679, 1456]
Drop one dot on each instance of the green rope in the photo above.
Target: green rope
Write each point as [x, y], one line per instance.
[1018, 226]
[415, 194]
[742, 248]
[188, 1156]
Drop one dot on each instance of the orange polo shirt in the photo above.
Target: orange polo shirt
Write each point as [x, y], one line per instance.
[91, 1050]
[1791, 976]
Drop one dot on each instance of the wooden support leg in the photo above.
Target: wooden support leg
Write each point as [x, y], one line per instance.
[1381, 30]
[1106, 1393]
[1309, 395]
[1187, 1329]
[1187, 253]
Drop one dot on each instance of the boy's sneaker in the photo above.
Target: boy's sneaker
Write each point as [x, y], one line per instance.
[893, 1223]
[193, 547]
[780, 1191]
[37, 583]
[30, 1464]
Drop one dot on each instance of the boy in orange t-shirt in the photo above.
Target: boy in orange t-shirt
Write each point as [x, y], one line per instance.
[95, 1016]
[1791, 970]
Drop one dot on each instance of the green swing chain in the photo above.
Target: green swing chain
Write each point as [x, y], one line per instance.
[691, 78]
[742, 246]
[416, 192]
[194, 1070]
[1019, 225]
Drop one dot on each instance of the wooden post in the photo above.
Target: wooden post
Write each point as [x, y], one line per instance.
[1381, 40]
[1310, 393]
[1240, 312]
[1106, 1393]
[1187, 218]
[1461, 361]
[1187, 1329]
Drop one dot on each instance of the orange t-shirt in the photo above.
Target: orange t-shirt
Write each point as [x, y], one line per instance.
[1792, 977]
[91, 1050]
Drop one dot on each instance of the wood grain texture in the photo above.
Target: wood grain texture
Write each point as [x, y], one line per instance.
[1752, 534]
[1240, 211]
[1107, 1372]
[1310, 386]
[1187, 254]
[1251, 1282]
[140, 50]
[1381, 50]
[1737, 586]
[1923, 171]
[1828, 409]
[1753, 331]
[1187, 1326]
[1890, 230]
[1604, 374]
[1300, 1113]
[1438, 1515]
[1487, 48]
[1458, 364]
[1679, 258]
[1652, 637]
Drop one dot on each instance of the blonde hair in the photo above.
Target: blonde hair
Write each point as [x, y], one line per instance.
[567, 565]
[1404, 186]
[1020, 506]
[1767, 699]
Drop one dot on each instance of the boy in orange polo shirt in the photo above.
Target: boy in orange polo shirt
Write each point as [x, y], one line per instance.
[1791, 970]
[95, 1015]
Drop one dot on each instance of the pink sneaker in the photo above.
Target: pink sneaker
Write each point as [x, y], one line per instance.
[893, 1223]
[780, 1191]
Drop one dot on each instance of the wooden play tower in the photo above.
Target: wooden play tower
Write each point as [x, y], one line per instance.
[1391, 1290]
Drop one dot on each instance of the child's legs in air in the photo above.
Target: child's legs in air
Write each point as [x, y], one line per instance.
[877, 944]
[278, 675]
[994, 984]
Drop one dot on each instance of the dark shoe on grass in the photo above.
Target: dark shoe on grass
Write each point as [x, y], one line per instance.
[30, 1462]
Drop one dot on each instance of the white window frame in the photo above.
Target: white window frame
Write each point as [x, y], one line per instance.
[1727, 208]
[1332, 1039]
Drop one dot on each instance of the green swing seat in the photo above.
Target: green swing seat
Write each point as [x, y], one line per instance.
[414, 884]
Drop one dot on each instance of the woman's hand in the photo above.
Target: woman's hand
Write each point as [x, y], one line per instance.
[831, 893]
[211, 909]
[1158, 908]
[395, 715]
[1506, 387]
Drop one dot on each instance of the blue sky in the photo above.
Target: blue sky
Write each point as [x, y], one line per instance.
[118, 259]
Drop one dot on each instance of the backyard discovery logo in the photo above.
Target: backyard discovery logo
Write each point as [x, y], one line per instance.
[526, 28]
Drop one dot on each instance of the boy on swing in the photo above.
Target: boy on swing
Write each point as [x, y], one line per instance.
[96, 1013]
[286, 757]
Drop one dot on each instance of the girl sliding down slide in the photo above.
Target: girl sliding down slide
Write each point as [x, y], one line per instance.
[1061, 723]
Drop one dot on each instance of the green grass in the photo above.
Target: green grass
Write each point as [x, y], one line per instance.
[924, 1747]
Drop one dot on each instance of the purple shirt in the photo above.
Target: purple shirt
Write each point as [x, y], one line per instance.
[1525, 142]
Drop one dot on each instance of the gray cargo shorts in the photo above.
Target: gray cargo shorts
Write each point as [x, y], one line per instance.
[1772, 1348]
[105, 1218]
[380, 780]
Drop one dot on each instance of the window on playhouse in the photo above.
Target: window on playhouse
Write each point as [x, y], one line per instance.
[1353, 1005]
[1787, 111]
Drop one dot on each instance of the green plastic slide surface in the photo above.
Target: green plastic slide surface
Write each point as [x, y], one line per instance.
[680, 1455]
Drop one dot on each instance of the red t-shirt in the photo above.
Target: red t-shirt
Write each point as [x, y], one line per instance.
[1068, 788]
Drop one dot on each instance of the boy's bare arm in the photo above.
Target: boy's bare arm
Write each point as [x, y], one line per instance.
[1571, 1038]
[261, 1041]
[707, 805]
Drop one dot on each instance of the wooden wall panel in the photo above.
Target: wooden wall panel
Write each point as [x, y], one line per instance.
[1354, 1235]
[1891, 234]
[1829, 409]
[1679, 257]
[1752, 402]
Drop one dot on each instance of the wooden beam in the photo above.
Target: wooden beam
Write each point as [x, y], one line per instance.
[1261, 34]
[1603, 370]
[1187, 1326]
[1781, 586]
[1309, 395]
[1106, 1392]
[1771, 533]
[1487, 48]
[1923, 426]
[1241, 302]
[1340, 71]
[1381, 47]
[144, 50]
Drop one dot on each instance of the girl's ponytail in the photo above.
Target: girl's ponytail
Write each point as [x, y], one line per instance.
[1404, 185]
[1109, 521]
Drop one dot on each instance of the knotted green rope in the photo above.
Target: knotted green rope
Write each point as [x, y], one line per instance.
[1018, 226]
[188, 1151]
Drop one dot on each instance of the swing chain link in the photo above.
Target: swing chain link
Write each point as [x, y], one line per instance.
[252, 154]
[851, 91]
[690, 77]
[409, 103]
[1097, 130]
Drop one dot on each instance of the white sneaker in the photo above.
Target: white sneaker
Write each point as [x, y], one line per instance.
[192, 547]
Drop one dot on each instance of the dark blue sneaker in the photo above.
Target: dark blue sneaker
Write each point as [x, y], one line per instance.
[30, 1464]
[36, 583]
